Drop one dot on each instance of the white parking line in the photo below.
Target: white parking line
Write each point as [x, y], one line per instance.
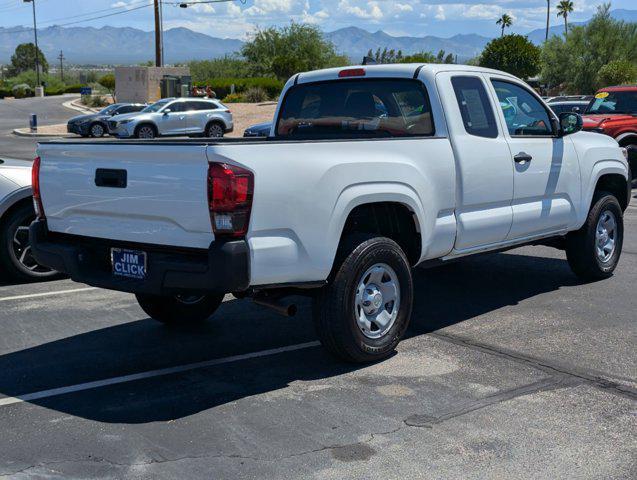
[150, 374]
[46, 294]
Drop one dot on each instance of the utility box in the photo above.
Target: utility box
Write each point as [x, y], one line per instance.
[144, 84]
[174, 86]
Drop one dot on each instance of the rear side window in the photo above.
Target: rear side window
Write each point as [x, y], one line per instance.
[200, 106]
[477, 114]
[356, 108]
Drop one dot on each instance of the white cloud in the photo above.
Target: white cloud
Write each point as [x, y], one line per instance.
[440, 13]
[372, 13]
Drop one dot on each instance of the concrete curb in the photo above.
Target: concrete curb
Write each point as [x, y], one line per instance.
[26, 132]
[78, 108]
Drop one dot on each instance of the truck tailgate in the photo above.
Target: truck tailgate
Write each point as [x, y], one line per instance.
[153, 194]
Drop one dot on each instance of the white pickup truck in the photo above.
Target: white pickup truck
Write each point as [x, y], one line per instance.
[368, 172]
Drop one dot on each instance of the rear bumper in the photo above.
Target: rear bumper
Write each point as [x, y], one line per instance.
[223, 267]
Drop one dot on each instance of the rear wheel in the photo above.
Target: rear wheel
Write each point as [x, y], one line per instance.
[177, 309]
[16, 257]
[97, 130]
[593, 251]
[146, 131]
[362, 314]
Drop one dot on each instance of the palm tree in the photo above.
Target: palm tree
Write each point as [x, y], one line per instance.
[563, 9]
[548, 16]
[504, 21]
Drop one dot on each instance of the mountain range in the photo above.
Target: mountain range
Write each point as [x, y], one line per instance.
[125, 45]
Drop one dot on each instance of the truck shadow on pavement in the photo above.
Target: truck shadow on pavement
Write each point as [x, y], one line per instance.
[443, 296]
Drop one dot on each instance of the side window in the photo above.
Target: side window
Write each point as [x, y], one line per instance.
[205, 106]
[523, 113]
[477, 114]
[177, 107]
[124, 109]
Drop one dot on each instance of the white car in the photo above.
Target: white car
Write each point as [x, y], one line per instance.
[367, 172]
[16, 214]
[173, 117]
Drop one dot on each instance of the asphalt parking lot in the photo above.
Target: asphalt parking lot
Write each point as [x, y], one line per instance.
[512, 368]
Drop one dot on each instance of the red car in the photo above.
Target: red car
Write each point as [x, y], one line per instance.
[613, 111]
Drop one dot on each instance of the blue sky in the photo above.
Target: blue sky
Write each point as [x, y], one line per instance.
[236, 19]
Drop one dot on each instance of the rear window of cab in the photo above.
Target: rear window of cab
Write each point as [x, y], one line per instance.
[356, 108]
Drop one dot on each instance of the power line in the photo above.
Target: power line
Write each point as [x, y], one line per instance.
[81, 21]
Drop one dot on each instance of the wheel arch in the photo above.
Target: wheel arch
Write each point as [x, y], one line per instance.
[14, 200]
[627, 138]
[357, 206]
[608, 175]
[216, 120]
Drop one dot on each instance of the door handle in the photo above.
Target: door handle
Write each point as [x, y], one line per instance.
[522, 157]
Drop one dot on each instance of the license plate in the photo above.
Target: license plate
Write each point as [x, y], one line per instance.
[128, 263]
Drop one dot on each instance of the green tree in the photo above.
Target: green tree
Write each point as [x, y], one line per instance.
[512, 53]
[24, 60]
[563, 9]
[108, 82]
[504, 21]
[574, 62]
[283, 51]
[617, 72]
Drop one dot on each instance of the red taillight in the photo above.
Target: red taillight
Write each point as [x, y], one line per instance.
[35, 187]
[352, 72]
[230, 190]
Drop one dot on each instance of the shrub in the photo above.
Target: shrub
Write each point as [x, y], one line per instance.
[234, 98]
[222, 86]
[255, 95]
[22, 90]
[94, 101]
[617, 72]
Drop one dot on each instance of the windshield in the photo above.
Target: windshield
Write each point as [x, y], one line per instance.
[108, 110]
[155, 107]
[369, 107]
[614, 102]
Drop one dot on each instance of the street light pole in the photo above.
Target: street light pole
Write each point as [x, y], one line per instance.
[35, 31]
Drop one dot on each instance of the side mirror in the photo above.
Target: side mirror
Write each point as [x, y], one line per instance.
[570, 122]
[167, 111]
[576, 110]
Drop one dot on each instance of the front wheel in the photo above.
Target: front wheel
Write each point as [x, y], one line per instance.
[97, 130]
[593, 251]
[362, 314]
[180, 308]
[146, 132]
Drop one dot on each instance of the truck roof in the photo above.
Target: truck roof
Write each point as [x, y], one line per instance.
[406, 70]
[619, 88]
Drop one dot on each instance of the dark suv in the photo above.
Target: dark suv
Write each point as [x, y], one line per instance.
[95, 124]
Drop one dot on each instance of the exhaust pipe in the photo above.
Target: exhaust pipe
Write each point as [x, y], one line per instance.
[285, 309]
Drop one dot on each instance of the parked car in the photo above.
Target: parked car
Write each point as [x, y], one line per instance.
[173, 117]
[339, 204]
[16, 214]
[95, 124]
[258, 130]
[613, 112]
[577, 106]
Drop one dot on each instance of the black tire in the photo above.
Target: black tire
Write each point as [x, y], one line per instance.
[146, 131]
[582, 248]
[180, 309]
[97, 130]
[15, 257]
[214, 130]
[336, 308]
